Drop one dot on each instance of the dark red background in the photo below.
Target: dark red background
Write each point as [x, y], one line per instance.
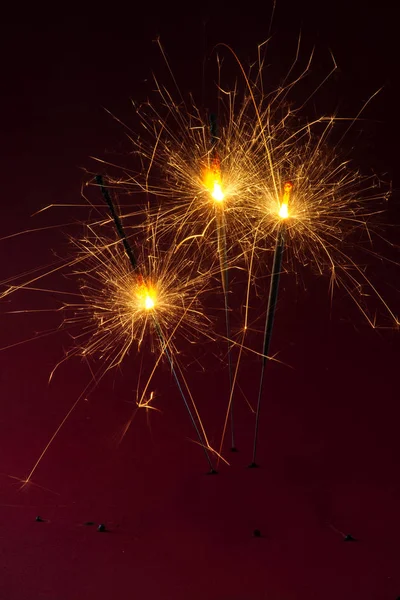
[329, 433]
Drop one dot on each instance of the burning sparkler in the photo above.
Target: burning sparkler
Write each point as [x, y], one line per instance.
[141, 298]
[149, 300]
[212, 181]
[272, 299]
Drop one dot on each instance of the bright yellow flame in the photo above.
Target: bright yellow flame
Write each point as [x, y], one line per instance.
[284, 207]
[217, 192]
[284, 211]
[212, 182]
[149, 302]
[146, 295]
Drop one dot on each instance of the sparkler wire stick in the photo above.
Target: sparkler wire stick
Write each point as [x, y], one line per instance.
[167, 354]
[269, 324]
[117, 221]
[133, 261]
[221, 233]
[271, 307]
[225, 287]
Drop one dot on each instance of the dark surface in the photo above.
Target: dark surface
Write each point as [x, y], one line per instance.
[328, 453]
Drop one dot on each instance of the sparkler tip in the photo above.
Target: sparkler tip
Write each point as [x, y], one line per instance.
[146, 295]
[284, 211]
[212, 181]
[149, 303]
[217, 192]
[284, 207]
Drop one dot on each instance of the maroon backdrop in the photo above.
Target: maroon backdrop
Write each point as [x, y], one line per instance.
[329, 449]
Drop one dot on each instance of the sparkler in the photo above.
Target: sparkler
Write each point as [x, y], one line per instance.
[120, 308]
[146, 297]
[213, 183]
[272, 300]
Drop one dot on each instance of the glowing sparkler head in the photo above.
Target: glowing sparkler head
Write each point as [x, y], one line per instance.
[217, 192]
[149, 302]
[284, 211]
[284, 206]
[145, 294]
[212, 181]
[121, 308]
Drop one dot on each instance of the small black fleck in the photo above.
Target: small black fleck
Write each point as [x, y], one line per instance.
[101, 528]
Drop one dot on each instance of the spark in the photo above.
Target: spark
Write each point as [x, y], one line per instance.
[142, 403]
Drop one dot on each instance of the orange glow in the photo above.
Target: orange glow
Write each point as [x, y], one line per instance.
[145, 294]
[212, 181]
[284, 207]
